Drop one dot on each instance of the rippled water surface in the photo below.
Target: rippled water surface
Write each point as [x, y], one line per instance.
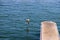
[13, 16]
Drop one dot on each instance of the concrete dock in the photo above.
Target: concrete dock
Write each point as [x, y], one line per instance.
[49, 31]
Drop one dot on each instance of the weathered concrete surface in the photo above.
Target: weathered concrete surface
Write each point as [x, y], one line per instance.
[49, 31]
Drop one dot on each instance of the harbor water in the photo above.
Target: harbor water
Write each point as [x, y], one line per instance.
[13, 15]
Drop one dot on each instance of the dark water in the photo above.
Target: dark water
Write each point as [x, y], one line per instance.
[13, 16]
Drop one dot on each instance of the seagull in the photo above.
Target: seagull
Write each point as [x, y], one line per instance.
[28, 20]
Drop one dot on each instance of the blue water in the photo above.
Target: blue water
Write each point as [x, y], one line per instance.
[13, 15]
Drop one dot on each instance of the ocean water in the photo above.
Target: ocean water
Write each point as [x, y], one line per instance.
[13, 17]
